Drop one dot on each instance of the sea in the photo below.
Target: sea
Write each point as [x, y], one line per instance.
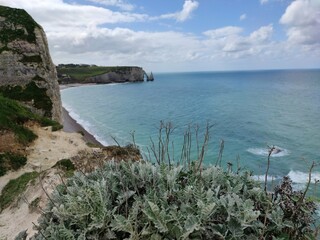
[250, 111]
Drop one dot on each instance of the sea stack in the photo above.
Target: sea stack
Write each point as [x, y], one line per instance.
[27, 73]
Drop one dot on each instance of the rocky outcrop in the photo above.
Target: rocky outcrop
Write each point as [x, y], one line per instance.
[119, 75]
[27, 72]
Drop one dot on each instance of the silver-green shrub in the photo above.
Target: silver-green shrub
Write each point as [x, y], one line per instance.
[141, 200]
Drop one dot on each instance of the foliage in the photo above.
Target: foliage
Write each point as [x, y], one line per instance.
[14, 188]
[67, 166]
[34, 205]
[18, 17]
[13, 115]
[31, 92]
[48, 122]
[11, 161]
[141, 200]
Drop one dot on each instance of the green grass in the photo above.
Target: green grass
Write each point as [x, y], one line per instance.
[80, 73]
[31, 92]
[14, 188]
[13, 115]
[11, 161]
[17, 17]
[48, 122]
[67, 166]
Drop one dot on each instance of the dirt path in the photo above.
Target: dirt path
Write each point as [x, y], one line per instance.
[45, 151]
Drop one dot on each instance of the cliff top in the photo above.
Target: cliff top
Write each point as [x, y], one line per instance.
[23, 22]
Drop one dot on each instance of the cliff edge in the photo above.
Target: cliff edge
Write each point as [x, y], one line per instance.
[27, 73]
[83, 73]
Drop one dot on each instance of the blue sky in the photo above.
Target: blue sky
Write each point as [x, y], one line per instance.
[181, 35]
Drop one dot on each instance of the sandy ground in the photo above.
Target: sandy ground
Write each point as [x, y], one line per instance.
[44, 152]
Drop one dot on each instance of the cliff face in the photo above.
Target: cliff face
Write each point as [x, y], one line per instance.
[27, 72]
[119, 75]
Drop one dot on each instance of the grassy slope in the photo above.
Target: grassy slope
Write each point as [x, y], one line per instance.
[13, 115]
[14, 188]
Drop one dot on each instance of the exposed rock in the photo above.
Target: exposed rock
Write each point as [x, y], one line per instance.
[27, 72]
[119, 75]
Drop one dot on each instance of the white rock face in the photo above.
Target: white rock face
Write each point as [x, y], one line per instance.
[123, 74]
[24, 60]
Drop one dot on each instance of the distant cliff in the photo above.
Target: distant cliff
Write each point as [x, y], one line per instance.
[119, 75]
[81, 73]
[27, 73]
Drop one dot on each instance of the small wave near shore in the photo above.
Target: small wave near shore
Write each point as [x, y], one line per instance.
[278, 152]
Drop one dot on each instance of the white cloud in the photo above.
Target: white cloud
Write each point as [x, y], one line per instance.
[230, 42]
[243, 17]
[302, 19]
[223, 32]
[56, 15]
[264, 1]
[188, 7]
[263, 34]
[89, 34]
[117, 3]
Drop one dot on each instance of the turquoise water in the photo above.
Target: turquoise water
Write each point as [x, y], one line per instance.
[250, 110]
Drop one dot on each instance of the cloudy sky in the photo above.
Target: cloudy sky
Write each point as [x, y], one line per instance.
[181, 35]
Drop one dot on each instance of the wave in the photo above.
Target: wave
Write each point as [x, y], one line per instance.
[85, 124]
[301, 177]
[260, 178]
[297, 177]
[265, 152]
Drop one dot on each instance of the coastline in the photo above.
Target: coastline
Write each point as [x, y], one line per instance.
[70, 125]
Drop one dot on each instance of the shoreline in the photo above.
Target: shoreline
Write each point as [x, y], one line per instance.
[70, 125]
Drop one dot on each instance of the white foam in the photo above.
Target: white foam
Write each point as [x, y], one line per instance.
[297, 177]
[85, 124]
[301, 177]
[260, 178]
[265, 152]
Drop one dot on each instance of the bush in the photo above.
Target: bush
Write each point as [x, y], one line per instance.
[146, 201]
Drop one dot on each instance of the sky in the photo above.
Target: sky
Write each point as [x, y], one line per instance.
[181, 35]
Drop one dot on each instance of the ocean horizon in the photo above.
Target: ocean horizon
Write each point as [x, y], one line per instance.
[249, 110]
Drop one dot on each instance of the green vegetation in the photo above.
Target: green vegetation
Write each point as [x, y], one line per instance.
[31, 92]
[29, 59]
[48, 122]
[14, 188]
[174, 199]
[66, 166]
[146, 201]
[11, 161]
[81, 72]
[33, 206]
[13, 115]
[18, 17]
